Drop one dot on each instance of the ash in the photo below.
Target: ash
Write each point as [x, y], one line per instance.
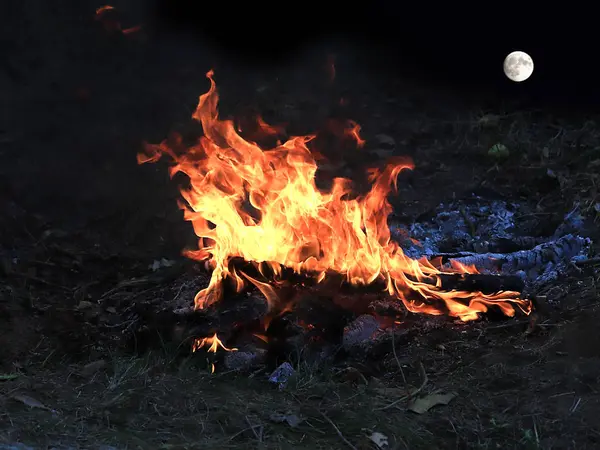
[485, 233]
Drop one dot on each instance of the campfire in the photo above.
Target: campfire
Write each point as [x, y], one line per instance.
[262, 221]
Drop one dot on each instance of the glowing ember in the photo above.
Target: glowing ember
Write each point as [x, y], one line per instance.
[264, 207]
[105, 14]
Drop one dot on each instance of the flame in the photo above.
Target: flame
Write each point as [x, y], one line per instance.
[213, 343]
[131, 30]
[264, 207]
[103, 9]
[105, 14]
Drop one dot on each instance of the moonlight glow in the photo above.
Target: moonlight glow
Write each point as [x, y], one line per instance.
[518, 66]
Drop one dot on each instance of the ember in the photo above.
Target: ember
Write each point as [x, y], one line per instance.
[263, 207]
[105, 14]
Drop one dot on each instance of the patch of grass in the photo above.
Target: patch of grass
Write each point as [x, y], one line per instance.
[152, 402]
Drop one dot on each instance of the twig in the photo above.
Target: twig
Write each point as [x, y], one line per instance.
[257, 435]
[337, 430]
[41, 281]
[231, 438]
[412, 394]
[513, 323]
[398, 362]
[127, 323]
[126, 284]
[584, 262]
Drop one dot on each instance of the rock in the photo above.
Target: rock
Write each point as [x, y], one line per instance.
[84, 305]
[282, 374]
[159, 264]
[93, 367]
[385, 140]
[359, 331]
[244, 360]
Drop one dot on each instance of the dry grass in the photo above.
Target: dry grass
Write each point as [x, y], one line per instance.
[150, 402]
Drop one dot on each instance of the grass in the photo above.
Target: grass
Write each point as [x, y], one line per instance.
[521, 391]
[150, 402]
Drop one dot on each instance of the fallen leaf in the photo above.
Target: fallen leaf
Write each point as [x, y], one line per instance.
[421, 405]
[379, 439]
[392, 393]
[111, 309]
[291, 419]
[30, 401]
[8, 376]
[499, 151]
[84, 304]
[159, 264]
[93, 367]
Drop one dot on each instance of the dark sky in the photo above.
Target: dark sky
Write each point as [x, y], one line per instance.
[462, 47]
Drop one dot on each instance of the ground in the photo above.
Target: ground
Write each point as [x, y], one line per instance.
[81, 217]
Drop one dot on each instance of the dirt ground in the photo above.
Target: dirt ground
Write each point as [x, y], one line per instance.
[80, 217]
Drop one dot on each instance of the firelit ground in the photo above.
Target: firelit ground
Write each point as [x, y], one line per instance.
[80, 218]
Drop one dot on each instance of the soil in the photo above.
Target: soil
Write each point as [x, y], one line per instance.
[82, 224]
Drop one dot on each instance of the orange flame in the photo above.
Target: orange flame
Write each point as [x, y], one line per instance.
[103, 9]
[263, 206]
[213, 343]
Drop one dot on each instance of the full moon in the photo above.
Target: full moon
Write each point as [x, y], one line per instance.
[518, 66]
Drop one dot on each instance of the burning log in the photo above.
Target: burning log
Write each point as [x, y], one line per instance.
[477, 282]
[467, 282]
[358, 297]
[154, 323]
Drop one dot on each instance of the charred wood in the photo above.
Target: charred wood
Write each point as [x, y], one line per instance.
[335, 282]
[554, 252]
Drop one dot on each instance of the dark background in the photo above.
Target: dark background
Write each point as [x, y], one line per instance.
[459, 46]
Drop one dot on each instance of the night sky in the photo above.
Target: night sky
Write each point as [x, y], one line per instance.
[462, 47]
